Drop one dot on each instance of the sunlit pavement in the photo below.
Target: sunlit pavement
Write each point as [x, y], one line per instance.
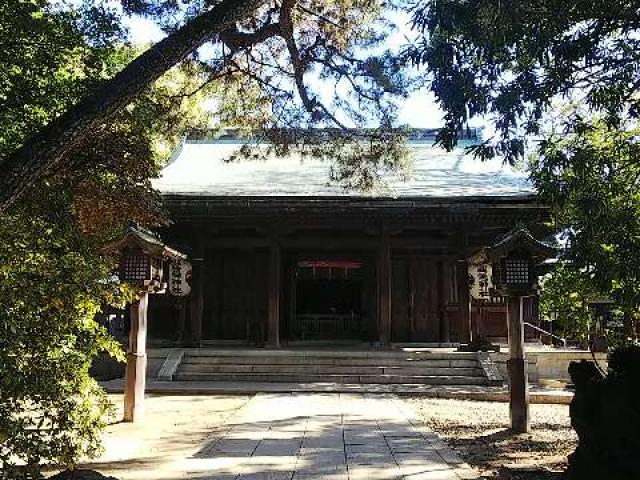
[298, 436]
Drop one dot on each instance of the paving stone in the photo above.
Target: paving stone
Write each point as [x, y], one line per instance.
[433, 475]
[216, 476]
[367, 448]
[338, 448]
[368, 458]
[418, 458]
[408, 445]
[281, 435]
[322, 441]
[408, 432]
[235, 445]
[321, 468]
[278, 447]
[374, 472]
[285, 475]
[333, 437]
[423, 468]
[335, 459]
[318, 476]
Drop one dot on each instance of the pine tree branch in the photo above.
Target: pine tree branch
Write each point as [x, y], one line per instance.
[51, 146]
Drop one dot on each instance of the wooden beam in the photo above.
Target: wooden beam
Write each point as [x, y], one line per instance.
[274, 295]
[384, 288]
[135, 375]
[426, 245]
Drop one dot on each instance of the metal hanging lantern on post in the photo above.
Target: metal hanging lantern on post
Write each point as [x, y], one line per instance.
[514, 259]
[142, 261]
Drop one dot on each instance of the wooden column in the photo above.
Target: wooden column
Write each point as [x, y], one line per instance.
[135, 374]
[384, 288]
[273, 320]
[197, 293]
[517, 368]
[181, 307]
[464, 299]
[443, 298]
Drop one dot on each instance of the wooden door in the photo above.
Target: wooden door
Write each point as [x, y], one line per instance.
[417, 303]
[235, 295]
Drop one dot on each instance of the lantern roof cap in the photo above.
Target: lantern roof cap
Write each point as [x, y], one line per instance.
[138, 237]
[518, 239]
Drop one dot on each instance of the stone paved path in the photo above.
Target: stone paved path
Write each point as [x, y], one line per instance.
[337, 436]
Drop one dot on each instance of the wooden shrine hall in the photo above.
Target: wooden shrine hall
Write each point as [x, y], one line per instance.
[279, 255]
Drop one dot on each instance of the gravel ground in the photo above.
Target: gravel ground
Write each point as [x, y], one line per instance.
[479, 432]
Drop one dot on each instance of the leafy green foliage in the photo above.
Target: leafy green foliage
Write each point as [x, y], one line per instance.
[591, 177]
[30, 97]
[53, 279]
[565, 295]
[510, 60]
[50, 409]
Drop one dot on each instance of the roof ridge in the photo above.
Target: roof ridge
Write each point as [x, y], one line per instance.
[413, 134]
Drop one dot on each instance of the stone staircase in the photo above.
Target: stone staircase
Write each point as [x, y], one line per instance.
[341, 367]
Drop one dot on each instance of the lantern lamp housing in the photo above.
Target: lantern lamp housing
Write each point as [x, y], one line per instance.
[514, 259]
[516, 271]
[142, 258]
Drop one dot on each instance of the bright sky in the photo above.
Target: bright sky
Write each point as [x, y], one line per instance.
[419, 110]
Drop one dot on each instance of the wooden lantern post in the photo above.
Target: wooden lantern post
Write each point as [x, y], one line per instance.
[513, 262]
[142, 258]
[517, 368]
[135, 374]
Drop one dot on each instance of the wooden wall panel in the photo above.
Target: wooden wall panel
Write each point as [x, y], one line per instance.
[418, 299]
[401, 328]
[211, 327]
[163, 321]
[235, 295]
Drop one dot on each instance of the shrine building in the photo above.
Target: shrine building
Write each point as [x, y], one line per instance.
[281, 256]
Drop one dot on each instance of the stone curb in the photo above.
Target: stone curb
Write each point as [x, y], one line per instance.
[492, 394]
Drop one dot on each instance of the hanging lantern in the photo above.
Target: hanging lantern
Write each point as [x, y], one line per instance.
[514, 260]
[142, 259]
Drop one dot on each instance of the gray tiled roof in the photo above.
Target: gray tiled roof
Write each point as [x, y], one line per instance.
[199, 168]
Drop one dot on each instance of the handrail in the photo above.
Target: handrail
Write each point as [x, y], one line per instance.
[535, 327]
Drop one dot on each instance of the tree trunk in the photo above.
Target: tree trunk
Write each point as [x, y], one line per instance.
[51, 145]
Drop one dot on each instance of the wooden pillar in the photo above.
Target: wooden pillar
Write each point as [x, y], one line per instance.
[517, 368]
[464, 299]
[443, 297]
[197, 293]
[273, 320]
[181, 307]
[384, 288]
[292, 325]
[136, 361]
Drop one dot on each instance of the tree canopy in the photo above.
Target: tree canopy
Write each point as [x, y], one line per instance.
[53, 279]
[270, 55]
[591, 178]
[509, 61]
[86, 120]
[560, 81]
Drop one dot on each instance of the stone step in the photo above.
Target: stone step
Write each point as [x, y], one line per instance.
[463, 362]
[361, 354]
[196, 367]
[313, 378]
